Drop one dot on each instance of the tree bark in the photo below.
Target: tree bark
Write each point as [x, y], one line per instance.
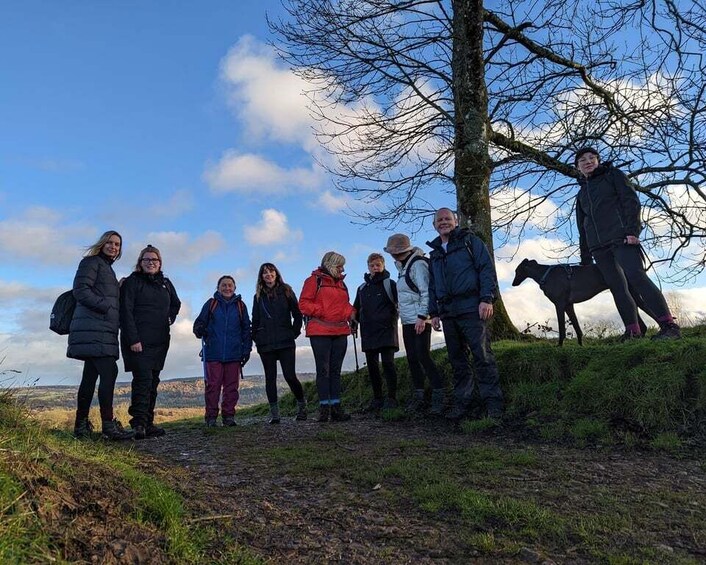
[471, 138]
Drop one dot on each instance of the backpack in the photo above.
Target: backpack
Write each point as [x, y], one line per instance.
[408, 278]
[387, 285]
[62, 313]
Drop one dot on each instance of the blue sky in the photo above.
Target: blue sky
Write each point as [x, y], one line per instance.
[174, 123]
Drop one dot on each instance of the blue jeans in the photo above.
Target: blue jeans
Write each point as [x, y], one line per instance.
[470, 334]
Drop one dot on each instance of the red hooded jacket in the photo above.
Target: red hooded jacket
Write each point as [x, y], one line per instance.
[325, 302]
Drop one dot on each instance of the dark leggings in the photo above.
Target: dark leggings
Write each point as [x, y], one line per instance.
[622, 269]
[387, 355]
[329, 352]
[286, 358]
[107, 369]
[145, 381]
[417, 347]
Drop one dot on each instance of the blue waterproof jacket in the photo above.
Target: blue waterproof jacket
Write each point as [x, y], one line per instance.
[460, 277]
[225, 329]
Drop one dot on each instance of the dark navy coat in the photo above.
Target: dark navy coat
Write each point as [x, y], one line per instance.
[225, 330]
[461, 276]
[94, 326]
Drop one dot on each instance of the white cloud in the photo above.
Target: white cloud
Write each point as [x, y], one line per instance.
[178, 248]
[331, 203]
[269, 100]
[542, 250]
[246, 173]
[40, 236]
[273, 228]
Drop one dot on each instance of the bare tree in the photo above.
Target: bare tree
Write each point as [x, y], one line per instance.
[489, 102]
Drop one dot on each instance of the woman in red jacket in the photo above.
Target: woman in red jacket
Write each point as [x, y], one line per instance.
[325, 302]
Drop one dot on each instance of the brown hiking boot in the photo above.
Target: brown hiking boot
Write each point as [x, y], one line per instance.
[338, 414]
[324, 413]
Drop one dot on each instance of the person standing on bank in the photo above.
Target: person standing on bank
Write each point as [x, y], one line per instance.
[325, 302]
[413, 295]
[462, 288]
[376, 313]
[148, 306]
[608, 220]
[277, 323]
[93, 335]
[224, 326]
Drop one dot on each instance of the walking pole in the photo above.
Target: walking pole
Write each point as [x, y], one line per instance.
[357, 368]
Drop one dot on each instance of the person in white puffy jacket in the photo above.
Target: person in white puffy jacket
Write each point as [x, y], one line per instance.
[413, 295]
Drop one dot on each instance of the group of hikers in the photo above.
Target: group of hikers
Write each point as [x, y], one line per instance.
[456, 284]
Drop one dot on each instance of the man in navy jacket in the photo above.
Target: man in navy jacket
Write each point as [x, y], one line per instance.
[462, 288]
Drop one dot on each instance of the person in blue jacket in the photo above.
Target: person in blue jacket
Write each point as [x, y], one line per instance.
[462, 288]
[224, 328]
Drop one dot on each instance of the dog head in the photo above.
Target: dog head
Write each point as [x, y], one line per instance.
[523, 271]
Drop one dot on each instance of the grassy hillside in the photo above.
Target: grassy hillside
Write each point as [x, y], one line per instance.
[524, 488]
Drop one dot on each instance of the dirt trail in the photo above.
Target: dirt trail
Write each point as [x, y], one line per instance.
[247, 481]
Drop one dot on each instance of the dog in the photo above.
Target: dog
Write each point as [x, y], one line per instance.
[566, 285]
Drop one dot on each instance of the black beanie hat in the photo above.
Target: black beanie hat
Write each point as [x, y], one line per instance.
[583, 151]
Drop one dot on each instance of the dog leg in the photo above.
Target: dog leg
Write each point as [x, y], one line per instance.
[561, 318]
[575, 322]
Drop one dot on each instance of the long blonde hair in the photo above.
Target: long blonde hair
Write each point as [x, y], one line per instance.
[95, 249]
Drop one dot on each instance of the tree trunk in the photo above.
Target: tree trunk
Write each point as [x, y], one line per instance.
[472, 132]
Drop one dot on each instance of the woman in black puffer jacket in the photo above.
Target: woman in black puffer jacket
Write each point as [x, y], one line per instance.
[93, 334]
[148, 306]
[276, 323]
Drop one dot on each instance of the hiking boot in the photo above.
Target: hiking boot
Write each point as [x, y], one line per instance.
[114, 431]
[154, 431]
[668, 331]
[301, 411]
[324, 413]
[274, 413]
[495, 414]
[83, 428]
[140, 432]
[458, 412]
[438, 396]
[211, 423]
[229, 421]
[417, 404]
[390, 404]
[628, 335]
[338, 415]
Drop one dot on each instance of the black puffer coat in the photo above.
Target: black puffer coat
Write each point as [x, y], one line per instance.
[276, 319]
[94, 327]
[376, 313]
[148, 305]
[607, 210]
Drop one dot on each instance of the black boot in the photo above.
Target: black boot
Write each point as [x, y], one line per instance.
[437, 402]
[83, 428]
[114, 431]
[301, 410]
[324, 413]
[338, 415]
[154, 431]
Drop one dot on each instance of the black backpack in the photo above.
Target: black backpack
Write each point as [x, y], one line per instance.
[408, 277]
[62, 312]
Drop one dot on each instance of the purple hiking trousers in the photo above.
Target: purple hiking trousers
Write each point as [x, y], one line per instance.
[227, 376]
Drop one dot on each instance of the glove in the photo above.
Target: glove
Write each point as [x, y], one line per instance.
[354, 327]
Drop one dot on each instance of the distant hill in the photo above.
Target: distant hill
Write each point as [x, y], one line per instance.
[174, 393]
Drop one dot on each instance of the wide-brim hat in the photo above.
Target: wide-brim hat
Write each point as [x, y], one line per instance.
[398, 243]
